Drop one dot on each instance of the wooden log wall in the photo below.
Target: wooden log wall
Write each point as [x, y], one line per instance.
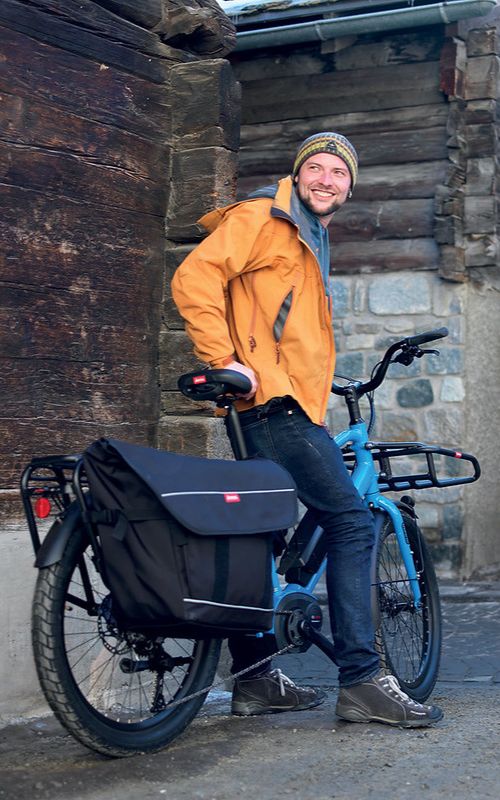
[419, 106]
[95, 98]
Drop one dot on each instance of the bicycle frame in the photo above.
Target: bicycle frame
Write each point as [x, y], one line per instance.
[365, 479]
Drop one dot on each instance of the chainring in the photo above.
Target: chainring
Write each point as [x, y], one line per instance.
[293, 610]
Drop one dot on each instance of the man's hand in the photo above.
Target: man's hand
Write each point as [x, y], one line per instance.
[250, 374]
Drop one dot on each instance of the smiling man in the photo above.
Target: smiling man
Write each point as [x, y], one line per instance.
[255, 295]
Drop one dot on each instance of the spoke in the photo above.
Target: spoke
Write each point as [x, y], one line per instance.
[404, 630]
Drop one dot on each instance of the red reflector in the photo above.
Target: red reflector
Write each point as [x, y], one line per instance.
[458, 454]
[42, 507]
[200, 379]
[232, 498]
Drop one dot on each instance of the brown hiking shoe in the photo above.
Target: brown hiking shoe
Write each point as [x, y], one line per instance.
[271, 693]
[381, 699]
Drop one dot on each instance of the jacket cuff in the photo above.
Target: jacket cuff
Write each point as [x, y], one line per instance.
[222, 362]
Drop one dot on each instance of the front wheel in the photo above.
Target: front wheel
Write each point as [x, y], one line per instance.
[408, 637]
[113, 690]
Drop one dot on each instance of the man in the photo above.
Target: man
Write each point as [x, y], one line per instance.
[255, 296]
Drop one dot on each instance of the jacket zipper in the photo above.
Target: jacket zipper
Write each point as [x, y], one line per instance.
[278, 339]
[328, 381]
[251, 335]
[283, 215]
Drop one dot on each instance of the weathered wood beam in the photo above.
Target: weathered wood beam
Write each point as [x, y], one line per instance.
[31, 122]
[77, 247]
[147, 13]
[199, 26]
[385, 182]
[38, 325]
[203, 178]
[93, 32]
[387, 147]
[71, 82]
[23, 438]
[370, 221]
[385, 256]
[80, 178]
[340, 92]
[205, 102]
[292, 132]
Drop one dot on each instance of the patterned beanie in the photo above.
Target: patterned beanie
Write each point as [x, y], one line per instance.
[328, 142]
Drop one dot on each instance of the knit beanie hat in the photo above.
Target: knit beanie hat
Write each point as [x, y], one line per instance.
[328, 142]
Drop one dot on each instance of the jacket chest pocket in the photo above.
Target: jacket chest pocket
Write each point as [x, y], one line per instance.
[273, 295]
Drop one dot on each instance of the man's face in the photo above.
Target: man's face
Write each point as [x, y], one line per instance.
[323, 183]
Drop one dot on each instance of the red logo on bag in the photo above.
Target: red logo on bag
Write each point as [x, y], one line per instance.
[232, 497]
[200, 379]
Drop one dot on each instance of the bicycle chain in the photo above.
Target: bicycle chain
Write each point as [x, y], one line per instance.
[232, 678]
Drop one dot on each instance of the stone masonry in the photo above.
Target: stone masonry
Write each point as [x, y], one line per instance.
[423, 402]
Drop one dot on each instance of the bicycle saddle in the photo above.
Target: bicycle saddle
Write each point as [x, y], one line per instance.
[210, 384]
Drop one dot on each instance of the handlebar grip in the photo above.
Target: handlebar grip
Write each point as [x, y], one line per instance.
[427, 336]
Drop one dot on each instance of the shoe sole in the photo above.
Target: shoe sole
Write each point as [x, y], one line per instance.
[357, 716]
[256, 709]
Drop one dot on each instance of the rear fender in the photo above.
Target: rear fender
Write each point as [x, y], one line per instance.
[57, 538]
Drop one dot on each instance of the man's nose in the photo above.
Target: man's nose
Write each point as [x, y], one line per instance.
[327, 180]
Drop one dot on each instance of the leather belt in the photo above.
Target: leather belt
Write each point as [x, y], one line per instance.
[274, 406]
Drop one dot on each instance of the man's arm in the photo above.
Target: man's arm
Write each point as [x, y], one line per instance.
[200, 282]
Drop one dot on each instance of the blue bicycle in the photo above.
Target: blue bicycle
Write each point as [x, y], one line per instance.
[122, 692]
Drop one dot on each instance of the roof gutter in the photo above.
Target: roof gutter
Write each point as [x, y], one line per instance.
[323, 29]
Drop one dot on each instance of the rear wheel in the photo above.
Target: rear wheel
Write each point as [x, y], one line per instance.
[408, 637]
[113, 690]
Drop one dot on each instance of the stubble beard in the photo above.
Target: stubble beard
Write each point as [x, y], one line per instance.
[325, 212]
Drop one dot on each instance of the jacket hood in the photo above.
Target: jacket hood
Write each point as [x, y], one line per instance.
[281, 194]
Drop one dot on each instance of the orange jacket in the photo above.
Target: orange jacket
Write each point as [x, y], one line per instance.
[231, 288]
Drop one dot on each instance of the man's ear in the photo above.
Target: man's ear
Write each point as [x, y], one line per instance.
[296, 179]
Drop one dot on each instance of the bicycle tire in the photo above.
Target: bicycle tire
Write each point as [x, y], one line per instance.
[80, 660]
[408, 639]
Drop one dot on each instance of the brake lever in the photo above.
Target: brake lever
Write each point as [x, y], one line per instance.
[427, 352]
[407, 355]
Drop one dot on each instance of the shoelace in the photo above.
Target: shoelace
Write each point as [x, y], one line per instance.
[283, 680]
[389, 682]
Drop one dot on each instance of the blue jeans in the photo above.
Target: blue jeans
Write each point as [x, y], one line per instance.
[281, 431]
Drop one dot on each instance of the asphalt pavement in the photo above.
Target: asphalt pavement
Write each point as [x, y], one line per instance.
[310, 755]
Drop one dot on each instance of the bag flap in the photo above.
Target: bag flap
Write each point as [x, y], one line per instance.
[209, 496]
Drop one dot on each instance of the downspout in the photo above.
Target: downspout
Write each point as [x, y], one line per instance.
[437, 14]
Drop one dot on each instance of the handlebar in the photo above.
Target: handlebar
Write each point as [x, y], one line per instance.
[410, 349]
[426, 336]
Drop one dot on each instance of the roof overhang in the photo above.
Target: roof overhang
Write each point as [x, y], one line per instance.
[320, 20]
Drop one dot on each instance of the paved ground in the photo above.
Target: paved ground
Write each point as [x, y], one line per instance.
[311, 755]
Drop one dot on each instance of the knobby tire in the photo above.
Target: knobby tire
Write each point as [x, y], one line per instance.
[408, 638]
[80, 659]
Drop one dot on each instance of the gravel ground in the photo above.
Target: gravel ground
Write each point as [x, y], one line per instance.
[311, 755]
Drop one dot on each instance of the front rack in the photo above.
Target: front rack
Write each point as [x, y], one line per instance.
[383, 452]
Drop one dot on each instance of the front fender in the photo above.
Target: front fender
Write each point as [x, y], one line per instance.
[53, 545]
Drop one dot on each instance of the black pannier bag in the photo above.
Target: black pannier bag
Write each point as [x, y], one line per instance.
[187, 541]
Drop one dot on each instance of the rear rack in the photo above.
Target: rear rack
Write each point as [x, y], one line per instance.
[384, 452]
[52, 477]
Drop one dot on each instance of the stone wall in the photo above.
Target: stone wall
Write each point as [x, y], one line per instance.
[417, 246]
[423, 402]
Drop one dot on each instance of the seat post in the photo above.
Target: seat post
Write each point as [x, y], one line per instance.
[234, 431]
